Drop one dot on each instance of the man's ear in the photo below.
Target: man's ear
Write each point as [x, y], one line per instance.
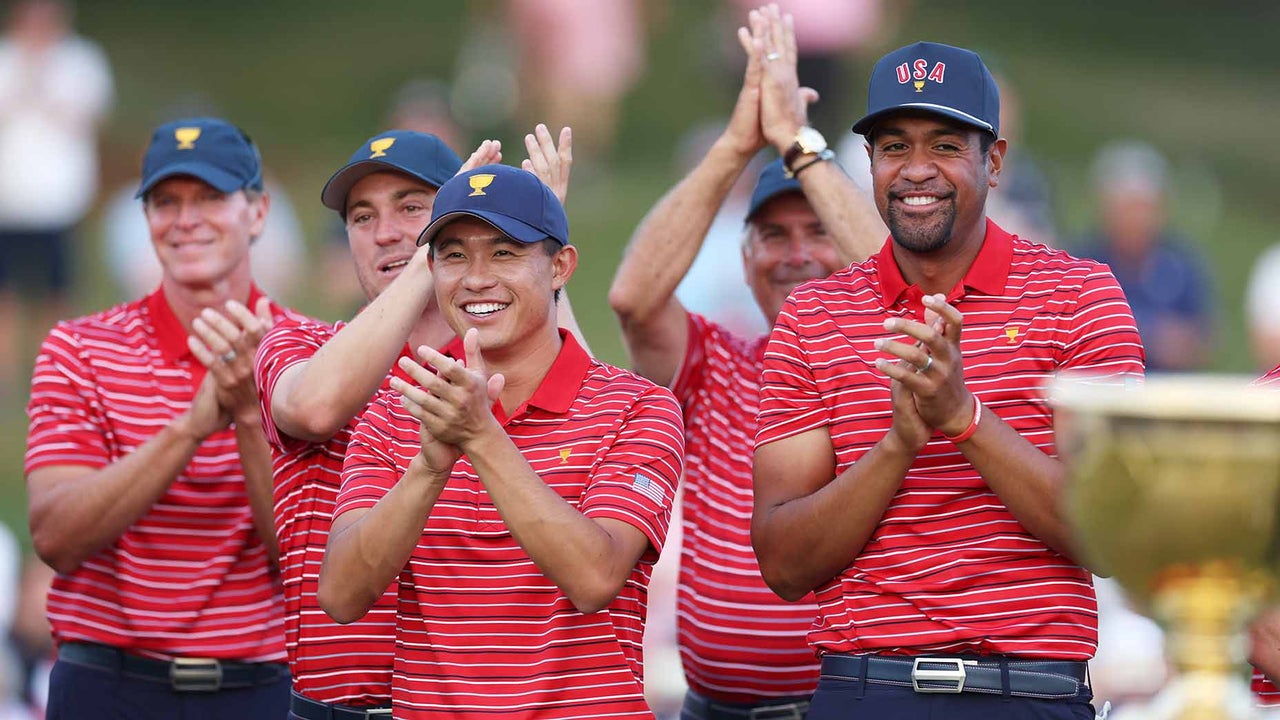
[995, 161]
[563, 263]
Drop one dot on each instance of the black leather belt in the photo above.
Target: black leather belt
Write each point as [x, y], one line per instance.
[1044, 679]
[308, 709]
[779, 709]
[182, 674]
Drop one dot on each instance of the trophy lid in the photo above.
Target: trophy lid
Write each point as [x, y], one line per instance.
[1181, 396]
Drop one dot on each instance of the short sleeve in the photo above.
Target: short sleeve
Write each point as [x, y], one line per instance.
[790, 403]
[286, 345]
[68, 425]
[635, 479]
[369, 470]
[1102, 337]
[689, 376]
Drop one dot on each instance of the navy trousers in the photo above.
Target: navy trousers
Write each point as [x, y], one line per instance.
[80, 692]
[844, 699]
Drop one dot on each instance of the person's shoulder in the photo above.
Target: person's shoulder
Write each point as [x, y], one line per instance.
[719, 335]
[293, 324]
[117, 329]
[605, 379]
[285, 313]
[122, 318]
[1034, 256]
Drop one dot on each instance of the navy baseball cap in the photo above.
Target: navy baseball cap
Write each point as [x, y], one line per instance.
[209, 149]
[934, 78]
[415, 154]
[512, 200]
[772, 183]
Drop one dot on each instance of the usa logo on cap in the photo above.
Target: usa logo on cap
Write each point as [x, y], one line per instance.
[917, 72]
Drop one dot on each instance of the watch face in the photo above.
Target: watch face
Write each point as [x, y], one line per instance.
[810, 140]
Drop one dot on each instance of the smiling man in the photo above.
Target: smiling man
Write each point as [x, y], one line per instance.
[521, 498]
[906, 474]
[806, 219]
[148, 472]
[316, 379]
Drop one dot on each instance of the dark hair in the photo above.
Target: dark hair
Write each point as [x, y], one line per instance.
[551, 246]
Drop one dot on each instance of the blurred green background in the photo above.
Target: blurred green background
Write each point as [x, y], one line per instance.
[310, 80]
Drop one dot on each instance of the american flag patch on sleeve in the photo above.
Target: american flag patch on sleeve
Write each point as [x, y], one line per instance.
[648, 488]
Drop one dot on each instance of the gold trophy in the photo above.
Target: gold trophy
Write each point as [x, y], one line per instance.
[1174, 491]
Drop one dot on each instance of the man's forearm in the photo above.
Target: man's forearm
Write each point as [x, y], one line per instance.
[1026, 480]
[807, 540]
[572, 550]
[846, 212]
[363, 557]
[255, 460]
[75, 512]
[673, 230]
[336, 383]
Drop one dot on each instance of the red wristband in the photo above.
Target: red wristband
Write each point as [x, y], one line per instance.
[973, 424]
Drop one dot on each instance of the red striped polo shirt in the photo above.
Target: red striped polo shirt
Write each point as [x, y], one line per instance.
[949, 569]
[739, 642]
[332, 663]
[191, 576]
[480, 630]
[1267, 692]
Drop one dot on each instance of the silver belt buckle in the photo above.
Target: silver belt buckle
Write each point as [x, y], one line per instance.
[378, 712]
[952, 673]
[788, 711]
[195, 675]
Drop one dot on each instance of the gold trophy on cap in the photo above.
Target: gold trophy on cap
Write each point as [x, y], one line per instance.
[1174, 491]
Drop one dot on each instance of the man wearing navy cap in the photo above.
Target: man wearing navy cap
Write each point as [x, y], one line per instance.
[743, 649]
[521, 497]
[315, 379]
[905, 474]
[148, 471]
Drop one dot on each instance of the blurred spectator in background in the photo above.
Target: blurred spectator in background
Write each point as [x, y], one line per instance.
[10, 567]
[422, 105]
[1023, 202]
[1163, 277]
[12, 705]
[278, 255]
[577, 61]
[30, 640]
[1262, 309]
[55, 88]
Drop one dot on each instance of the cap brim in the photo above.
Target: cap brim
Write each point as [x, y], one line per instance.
[507, 225]
[863, 126]
[220, 179]
[765, 200]
[334, 194]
